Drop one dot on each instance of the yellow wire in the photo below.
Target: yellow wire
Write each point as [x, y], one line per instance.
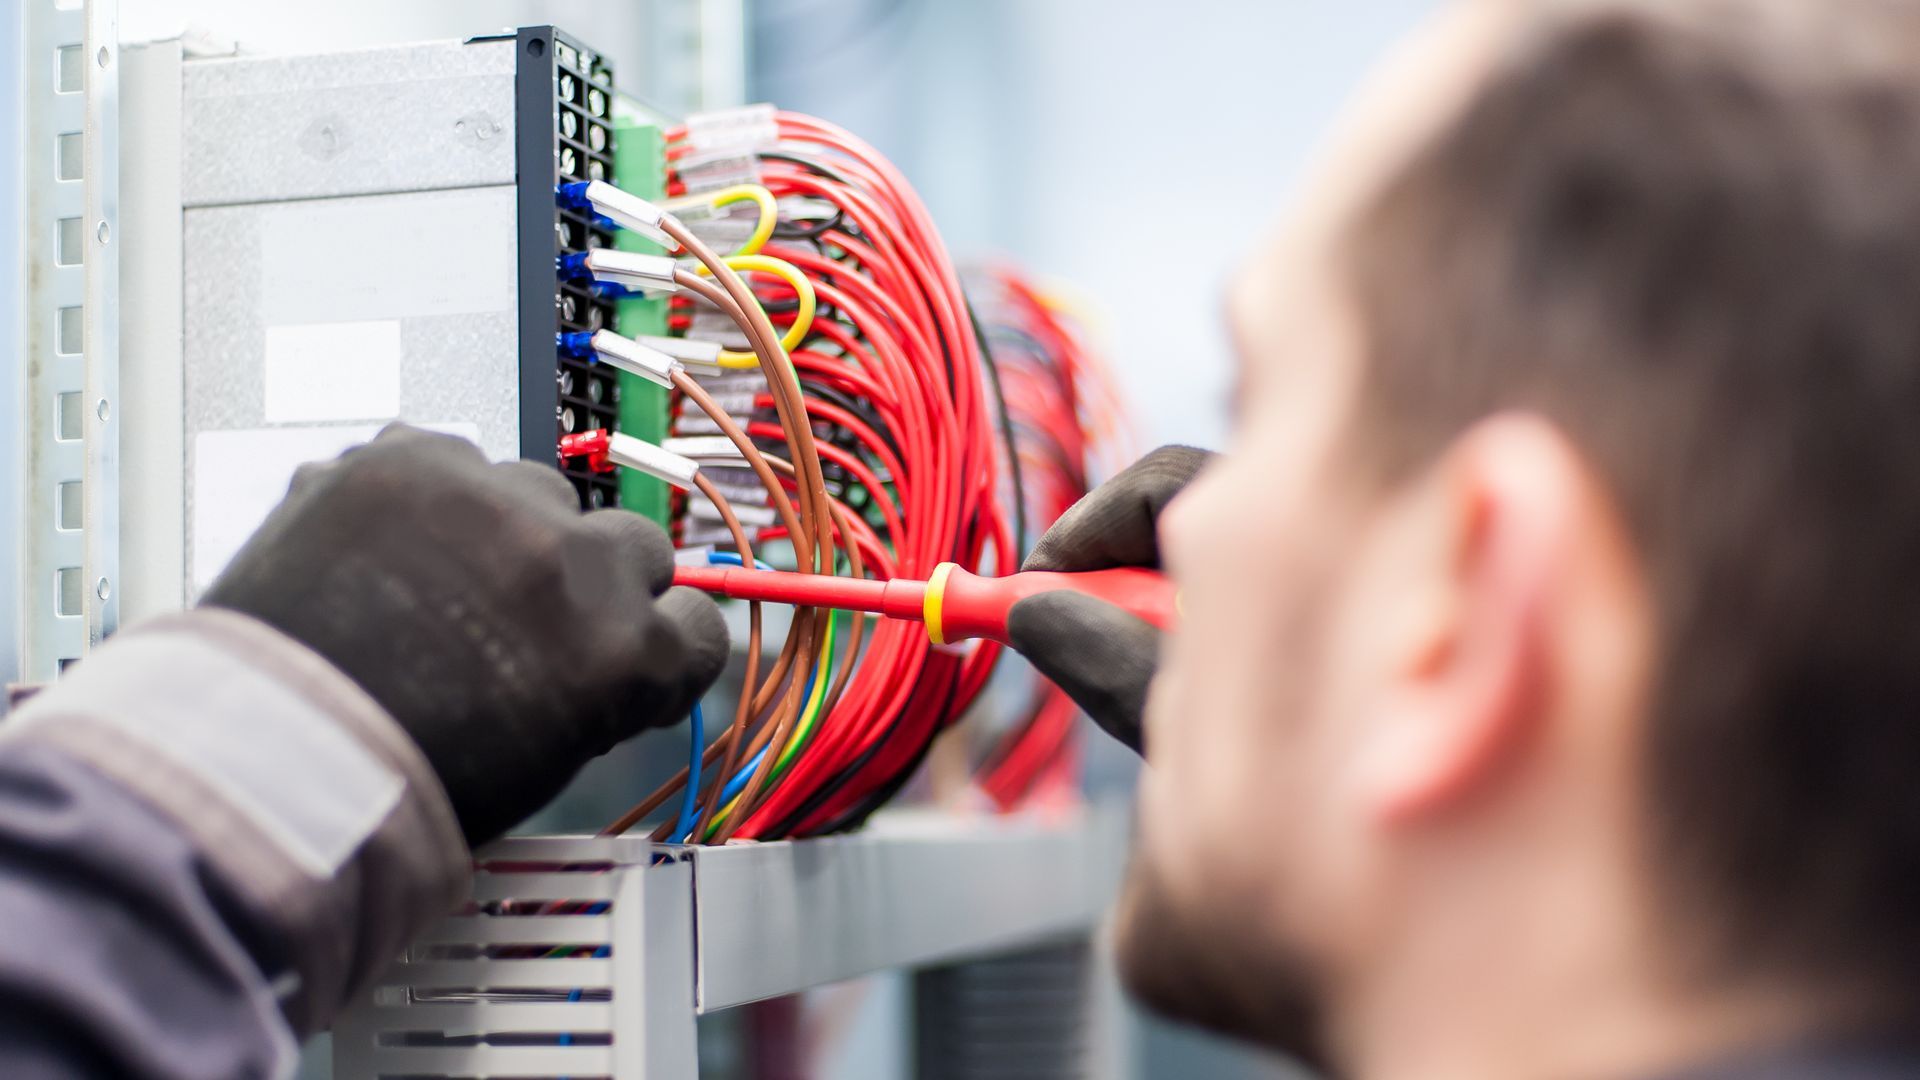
[728, 196]
[803, 318]
[769, 213]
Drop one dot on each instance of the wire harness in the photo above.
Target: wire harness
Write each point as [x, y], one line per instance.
[837, 411]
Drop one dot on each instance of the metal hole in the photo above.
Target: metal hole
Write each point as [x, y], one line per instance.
[69, 506]
[69, 592]
[70, 70]
[101, 56]
[69, 421]
[100, 232]
[68, 250]
[100, 410]
[67, 156]
[70, 338]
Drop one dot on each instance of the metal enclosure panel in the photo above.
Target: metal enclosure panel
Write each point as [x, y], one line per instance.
[348, 259]
[255, 286]
[152, 494]
[407, 118]
[54, 624]
[915, 889]
[537, 979]
[616, 983]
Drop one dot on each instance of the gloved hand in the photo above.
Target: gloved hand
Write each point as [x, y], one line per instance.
[1100, 655]
[510, 635]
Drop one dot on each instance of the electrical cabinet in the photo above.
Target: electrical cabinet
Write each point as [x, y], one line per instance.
[371, 236]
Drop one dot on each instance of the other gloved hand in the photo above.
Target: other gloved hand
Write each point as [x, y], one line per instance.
[1100, 655]
[510, 635]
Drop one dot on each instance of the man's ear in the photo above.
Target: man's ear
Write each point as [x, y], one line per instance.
[1468, 676]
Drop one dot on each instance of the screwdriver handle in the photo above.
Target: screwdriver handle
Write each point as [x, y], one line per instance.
[960, 605]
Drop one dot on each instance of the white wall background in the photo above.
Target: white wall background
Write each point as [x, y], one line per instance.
[1135, 149]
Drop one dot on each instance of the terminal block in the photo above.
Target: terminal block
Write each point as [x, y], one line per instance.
[564, 133]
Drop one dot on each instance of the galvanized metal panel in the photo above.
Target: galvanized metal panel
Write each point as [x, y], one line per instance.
[250, 270]
[406, 118]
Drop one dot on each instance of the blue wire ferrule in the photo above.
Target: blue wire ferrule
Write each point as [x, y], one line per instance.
[629, 271]
[615, 350]
[619, 208]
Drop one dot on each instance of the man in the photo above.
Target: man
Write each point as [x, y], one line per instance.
[1542, 702]
[1545, 699]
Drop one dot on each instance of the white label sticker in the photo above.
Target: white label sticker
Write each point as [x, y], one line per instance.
[333, 371]
[240, 476]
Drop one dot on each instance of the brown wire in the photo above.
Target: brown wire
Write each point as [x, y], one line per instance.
[802, 634]
[756, 785]
[745, 548]
[810, 520]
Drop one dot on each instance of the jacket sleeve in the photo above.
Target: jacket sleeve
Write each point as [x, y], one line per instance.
[209, 838]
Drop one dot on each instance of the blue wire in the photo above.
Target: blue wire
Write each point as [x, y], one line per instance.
[728, 558]
[739, 782]
[683, 828]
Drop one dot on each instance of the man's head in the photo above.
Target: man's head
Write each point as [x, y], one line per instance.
[1552, 620]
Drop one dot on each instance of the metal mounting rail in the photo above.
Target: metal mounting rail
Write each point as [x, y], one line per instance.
[593, 956]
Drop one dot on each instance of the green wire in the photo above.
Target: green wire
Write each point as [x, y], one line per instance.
[809, 717]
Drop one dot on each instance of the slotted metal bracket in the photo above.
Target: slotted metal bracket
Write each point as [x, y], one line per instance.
[68, 507]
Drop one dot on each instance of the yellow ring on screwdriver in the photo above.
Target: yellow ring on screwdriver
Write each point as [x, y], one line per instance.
[936, 596]
[802, 288]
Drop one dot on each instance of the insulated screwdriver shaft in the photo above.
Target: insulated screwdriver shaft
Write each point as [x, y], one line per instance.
[955, 605]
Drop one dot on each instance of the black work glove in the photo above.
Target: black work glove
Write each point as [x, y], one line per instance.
[510, 635]
[1102, 656]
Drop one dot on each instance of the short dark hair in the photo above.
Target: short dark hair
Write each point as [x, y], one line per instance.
[1691, 239]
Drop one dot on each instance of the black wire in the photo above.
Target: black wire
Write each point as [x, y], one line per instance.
[789, 230]
[1006, 433]
[793, 231]
[808, 161]
[864, 410]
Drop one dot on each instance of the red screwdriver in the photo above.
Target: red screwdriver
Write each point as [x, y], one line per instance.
[954, 604]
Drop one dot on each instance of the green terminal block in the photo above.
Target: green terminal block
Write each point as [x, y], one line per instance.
[640, 161]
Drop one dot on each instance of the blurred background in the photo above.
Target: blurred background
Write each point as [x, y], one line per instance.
[1131, 152]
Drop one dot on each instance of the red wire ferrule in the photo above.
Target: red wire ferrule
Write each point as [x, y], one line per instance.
[594, 445]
